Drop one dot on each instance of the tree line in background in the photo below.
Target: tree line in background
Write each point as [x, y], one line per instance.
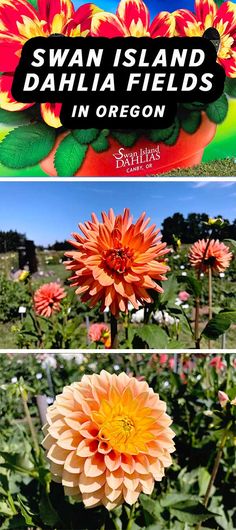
[188, 230]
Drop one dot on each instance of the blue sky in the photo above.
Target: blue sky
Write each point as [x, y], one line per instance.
[154, 6]
[47, 211]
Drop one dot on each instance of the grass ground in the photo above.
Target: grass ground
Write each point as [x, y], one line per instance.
[219, 168]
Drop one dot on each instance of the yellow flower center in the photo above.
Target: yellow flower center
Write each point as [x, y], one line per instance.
[123, 424]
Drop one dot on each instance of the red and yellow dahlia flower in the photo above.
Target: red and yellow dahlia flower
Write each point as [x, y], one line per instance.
[208, 15]
[116, 261]
[19, 22]
[214, 254]
[132, 19]
[108, 438]
[47, 299]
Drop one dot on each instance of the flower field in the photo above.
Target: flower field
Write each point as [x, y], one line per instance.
[138, 441]
[121, 286]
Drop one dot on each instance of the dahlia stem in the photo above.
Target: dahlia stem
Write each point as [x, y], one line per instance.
[210, 297]
[131, 517]
[114, 334]
[214, 472]
[197, 314]
[29, 420]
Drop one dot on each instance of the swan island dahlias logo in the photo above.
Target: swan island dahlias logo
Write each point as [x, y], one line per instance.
[117, 261]
[108, 439]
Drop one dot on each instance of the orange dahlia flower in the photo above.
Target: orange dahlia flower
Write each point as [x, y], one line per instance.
[116, 261]
[47, 299]
[208, 15]
[19, 22]
[108, 438]
[215, 254]
[132, 19]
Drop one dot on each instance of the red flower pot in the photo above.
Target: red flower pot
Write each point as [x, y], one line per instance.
[144, 158]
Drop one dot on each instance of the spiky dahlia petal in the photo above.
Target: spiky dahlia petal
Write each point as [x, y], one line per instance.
[163, 25]
[50, 113]
[117, 261]
[7, 102]
[215, 255]
[118, 446]
[47, 300]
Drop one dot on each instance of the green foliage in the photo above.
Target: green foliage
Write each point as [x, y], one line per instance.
[100, 144]
[149, 336]
[29, 499]
[219, 324]
[230, 87]
[85, 136]
[217, 111]
[27, 145]
[14, 118]
[190, 121]
[12, 296]
[69, 156]
[127, 139]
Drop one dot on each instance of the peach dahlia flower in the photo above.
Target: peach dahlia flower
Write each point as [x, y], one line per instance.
[108, 439]
[215, 254]
[47, 299]
[116, 261]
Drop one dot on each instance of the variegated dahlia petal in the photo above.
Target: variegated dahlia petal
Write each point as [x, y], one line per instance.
[47, 299]
[135, 16]
[83, 16]
[117, 261]
[108, 25]
[215, 255]
[187, 24]
[163, 25]
[55, 13]
[7, 102]
[225, 23]
[229, 65]
[12, 13]
[50, 113]
[205, 12]
[10, 53]
[108, 438]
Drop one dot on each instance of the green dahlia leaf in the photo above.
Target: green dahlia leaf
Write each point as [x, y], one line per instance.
[160, 135]
[27, 145]
[230, 87]
[69, 156]
[219, 324]
[14, 118]
[191, 512]
[100, 144]
[172, 139]
[85, 136]
[152, 335]
[217, 111]
[191, 121]
[127, 139]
